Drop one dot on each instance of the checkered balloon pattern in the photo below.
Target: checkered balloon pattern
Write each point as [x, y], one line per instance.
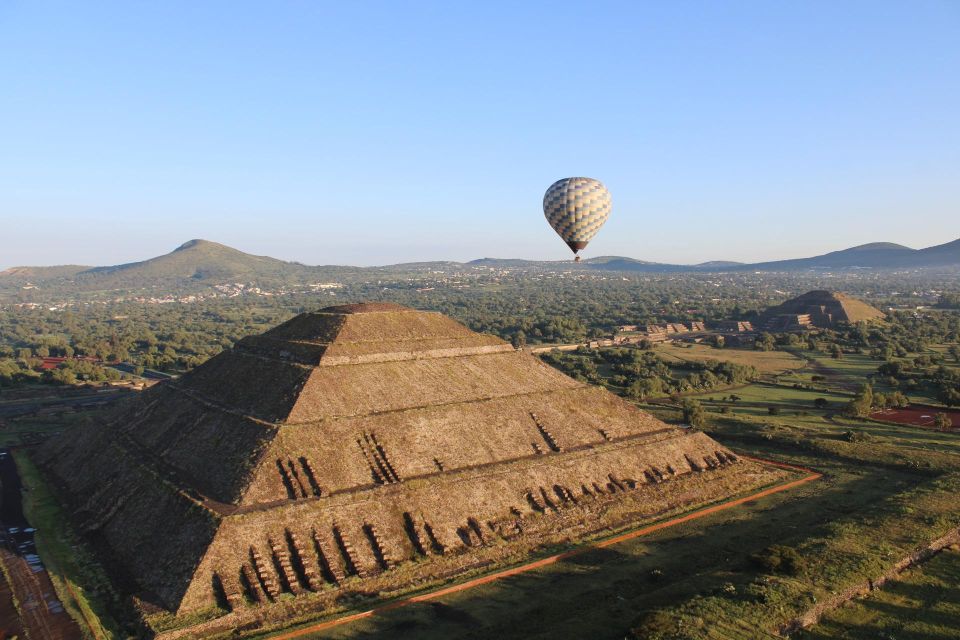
[576, 208]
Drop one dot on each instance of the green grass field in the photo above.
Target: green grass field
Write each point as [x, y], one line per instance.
[924, 603]
[765, 361]
[755, 398]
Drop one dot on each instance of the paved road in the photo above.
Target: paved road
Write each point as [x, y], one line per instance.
[16, 408]
[149, 374]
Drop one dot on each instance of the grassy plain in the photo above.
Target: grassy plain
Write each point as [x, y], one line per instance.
[924, 603]
[765, 361]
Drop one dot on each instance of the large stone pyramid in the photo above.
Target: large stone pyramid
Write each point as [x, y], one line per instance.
[826, 308]
[328, 452]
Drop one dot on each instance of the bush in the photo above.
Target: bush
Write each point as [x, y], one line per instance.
[780, 559]
[693, 413]
[856, 436]
[773, 410]
[656, 625]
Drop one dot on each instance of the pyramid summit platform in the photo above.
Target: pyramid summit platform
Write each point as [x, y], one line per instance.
[364, 448]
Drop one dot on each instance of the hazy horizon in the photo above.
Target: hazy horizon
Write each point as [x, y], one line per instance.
[503, 257]
[377, 134]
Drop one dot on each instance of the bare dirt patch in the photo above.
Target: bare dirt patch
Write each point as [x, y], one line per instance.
[918, 415]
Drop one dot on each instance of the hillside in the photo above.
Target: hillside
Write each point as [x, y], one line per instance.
[876, 255]
[193, 266]
[201, 264]
[196, 260]
[33, 274]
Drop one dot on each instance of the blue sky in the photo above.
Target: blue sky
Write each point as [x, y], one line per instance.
[372, 133]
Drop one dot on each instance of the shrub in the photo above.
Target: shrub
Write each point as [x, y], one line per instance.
[856, 436]
[780, 559]
[693, 413]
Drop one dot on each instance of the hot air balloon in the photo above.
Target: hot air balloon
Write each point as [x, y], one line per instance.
[576, 208]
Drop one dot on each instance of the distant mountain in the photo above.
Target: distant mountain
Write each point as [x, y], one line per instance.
[620, 263]
[506, 262]
[196, 260]
[717, 264]
[876, 255]
[30, 274]
[194, 264]
[941, 254]
[200, 264]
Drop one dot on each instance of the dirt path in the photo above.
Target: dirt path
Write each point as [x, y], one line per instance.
[543, 562]
[835, 378]
[9, 619]
[42, 615]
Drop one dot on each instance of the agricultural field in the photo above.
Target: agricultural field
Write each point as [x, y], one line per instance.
[767, 362]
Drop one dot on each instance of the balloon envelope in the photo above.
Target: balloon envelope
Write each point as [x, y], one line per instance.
[576, 208]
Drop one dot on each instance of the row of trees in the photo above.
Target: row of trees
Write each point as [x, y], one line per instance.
[640, 374]
[867, 401]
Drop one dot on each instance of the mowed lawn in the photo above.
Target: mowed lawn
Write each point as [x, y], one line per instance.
[765, 361]
[923, 603]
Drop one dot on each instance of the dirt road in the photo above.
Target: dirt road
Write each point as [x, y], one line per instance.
[42, 615]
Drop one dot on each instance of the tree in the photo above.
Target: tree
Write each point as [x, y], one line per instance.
[949, 395]
[893, 369]
[519, 340]
[835, 351]
[861, 404]
[897, 399]
[765, 342]
[954, 351]
[644, 388]
[820, 403]
[693, 413]
[719, 342]
[942, 421]
[773, 410]
[880, 401]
